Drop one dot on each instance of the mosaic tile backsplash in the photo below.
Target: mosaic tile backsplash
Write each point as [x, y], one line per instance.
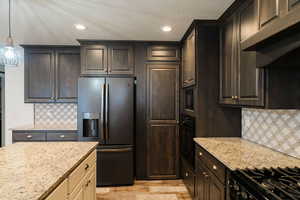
[276, 129]
[55, 115]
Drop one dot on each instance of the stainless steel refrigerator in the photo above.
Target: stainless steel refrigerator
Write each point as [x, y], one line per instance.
[106, 114]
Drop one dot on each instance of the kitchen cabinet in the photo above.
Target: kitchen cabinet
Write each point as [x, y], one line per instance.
[106, 58]
[210, 177]
[162, 120]
[51, 74]
[228, 56]
[268, 11]
[189, 60]
[121, 60]
[80, 184]
[242, 84]
[67, 72]
[43, 136]
[163, 53]
[39, 75]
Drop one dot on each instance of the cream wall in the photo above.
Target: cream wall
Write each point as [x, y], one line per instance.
[17, 113]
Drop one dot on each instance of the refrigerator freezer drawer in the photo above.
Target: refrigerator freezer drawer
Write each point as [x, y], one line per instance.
[115, 166]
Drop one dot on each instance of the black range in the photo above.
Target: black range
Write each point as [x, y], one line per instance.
[268, 184]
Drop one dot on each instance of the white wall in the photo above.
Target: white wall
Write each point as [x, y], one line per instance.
[17, 113]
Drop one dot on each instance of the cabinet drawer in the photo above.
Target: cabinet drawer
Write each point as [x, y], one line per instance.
[211, 163]
[62, 136]
[60, 193]
[81, 171]
[163, 53]
[23, 137]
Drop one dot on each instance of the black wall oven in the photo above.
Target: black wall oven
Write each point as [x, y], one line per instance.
[187, 140]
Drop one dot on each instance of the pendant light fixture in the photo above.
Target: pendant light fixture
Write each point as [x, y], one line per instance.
[8, 54]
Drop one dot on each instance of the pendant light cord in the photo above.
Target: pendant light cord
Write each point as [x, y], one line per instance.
[9, 18]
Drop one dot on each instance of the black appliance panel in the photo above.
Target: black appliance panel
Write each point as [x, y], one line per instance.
[189, 99]
[115, 165]
[187, 135]
[119, 111]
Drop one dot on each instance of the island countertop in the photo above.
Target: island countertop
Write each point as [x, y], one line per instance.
[32, 170]
[237, 153]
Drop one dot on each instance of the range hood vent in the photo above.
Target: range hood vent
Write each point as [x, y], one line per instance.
[283, 47]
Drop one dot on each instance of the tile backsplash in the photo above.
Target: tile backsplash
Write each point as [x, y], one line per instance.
[55, 114]
[276, 129]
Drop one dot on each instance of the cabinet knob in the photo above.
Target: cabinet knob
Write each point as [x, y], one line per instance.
[62, 136]
[205, 175]
[215, 167]
[200, 153]
[186, 174]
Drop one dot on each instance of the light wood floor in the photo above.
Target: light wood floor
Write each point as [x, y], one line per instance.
[146, 190]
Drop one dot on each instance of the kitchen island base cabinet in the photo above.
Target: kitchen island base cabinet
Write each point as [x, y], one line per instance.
[80, 184]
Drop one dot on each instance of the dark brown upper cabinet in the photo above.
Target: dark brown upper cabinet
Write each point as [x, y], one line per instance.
[107, 58]
[227, 61]
[51, 74]
[189, 60]
[39, 75]
[94, 60]
[163, 53]
[277, 20]
[250, 80]
[121, 60]
[67, 73]
[268, 11]
[241, 82]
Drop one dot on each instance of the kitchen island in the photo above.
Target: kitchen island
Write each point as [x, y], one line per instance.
[47, 170]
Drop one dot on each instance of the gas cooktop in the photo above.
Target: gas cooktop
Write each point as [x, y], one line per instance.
[272, 184]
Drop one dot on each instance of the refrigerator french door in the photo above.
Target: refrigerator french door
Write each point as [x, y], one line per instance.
[106, 114]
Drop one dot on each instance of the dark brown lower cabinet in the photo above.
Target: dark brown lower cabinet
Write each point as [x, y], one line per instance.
[210, 177]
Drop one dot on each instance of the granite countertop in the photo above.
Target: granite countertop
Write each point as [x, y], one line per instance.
[237, 153]
[45, 128]
[32, 170]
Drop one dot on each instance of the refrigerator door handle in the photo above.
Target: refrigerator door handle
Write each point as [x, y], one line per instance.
[102, 113]
[106, 112]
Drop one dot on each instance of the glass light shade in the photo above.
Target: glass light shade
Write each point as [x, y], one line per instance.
[9, 56]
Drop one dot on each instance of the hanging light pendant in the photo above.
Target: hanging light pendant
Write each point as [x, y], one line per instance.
[8, 54]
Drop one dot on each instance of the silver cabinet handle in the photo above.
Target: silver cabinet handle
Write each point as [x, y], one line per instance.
[29, 136]
[62, 136]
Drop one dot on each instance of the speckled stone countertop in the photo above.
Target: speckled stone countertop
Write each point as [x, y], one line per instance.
[45, 128]
[30, 171]
[237, 153]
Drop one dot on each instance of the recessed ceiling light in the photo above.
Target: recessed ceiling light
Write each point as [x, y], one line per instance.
[166, 28]
[79, 27]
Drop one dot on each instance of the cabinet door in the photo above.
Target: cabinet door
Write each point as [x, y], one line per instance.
[163, 151]
[268, 11]
[39, 75]
[201, 183]
[250, 80]
[121, 60]
[228, 61]
[215, 189]
[67, 74]
[93, 60]
[163, 93]
[163, 116]
[89, 191]
[189, 60]
[163, 53]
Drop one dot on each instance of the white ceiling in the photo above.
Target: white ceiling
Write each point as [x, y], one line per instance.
[52, 21]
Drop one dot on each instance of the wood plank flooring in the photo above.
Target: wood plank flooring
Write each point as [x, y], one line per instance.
[146, 190]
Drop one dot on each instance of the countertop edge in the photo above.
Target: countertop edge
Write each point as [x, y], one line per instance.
[61, 179]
